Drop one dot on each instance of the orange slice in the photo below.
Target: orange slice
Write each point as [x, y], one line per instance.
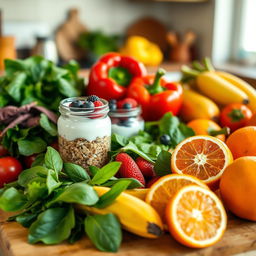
[165, 188]
[204, 157]
[196, 217]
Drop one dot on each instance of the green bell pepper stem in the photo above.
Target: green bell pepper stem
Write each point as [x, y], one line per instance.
[224, 130]
[156, 86]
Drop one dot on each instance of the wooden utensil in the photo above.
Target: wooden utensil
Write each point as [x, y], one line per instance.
[150, 28]
[7, 46]
[180, 48]
[67, 35]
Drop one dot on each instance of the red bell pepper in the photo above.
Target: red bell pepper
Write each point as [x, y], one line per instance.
[156, 95]
[112, 74]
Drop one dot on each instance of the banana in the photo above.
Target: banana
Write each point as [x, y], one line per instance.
[135, 215]
[244, 86]
[197, 106]
[219, 89]
[139, 192]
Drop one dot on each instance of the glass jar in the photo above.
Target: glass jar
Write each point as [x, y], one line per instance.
[126, 122]
[84, 133]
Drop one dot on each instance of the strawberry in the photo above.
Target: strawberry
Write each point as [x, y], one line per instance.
[132, 102]
[98, 103]
[146, 167]
[129, 169]
[152, 181]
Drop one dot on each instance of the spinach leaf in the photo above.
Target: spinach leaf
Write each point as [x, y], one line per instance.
[30, 146]
[93, 170]
[53, 160]
[39, 160]
[109, 197]
[105, 173]
[32, 174]
[15, 86]
[104, 232]
[75, 172]
[47, 125]
[52, 226]
[162, 166]
[26, 219]
[52, 181]
[178, 131]
[36, 190]
[12, 200]
[78, 231]
[79, 193]
[118, 141]
[134, 183]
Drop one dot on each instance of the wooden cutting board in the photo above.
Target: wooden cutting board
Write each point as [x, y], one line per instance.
[240, 237]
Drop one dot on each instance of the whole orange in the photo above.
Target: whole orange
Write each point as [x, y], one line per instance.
[238, 187]
[206, 127]
[242, 142]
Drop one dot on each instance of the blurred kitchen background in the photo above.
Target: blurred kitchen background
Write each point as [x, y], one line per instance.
[183, 30]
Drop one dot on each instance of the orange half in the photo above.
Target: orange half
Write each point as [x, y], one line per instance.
[162, 191]
[204, 157]
[196, 217]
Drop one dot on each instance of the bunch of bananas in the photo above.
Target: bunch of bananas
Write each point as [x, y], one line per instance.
[214, 88]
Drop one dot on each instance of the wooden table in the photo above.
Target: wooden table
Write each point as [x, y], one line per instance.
[240, 237]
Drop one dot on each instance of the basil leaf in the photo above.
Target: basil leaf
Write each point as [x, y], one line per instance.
[79, 193]
[104, 232]
[31, 146]
[12, 200]
[109, 197]
[75, 172]
[162, 166]
[36, 191]
[134, 183]
[105, 173]
[47, 125]
[93, 170]
[118, 141]
[32, 174]
[51, 181]
[132, 147]
[66, 88]
[26, 219]
[52, 226]
[53, 160]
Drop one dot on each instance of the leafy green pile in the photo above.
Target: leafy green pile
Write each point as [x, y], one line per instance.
[147, 144]
[40, 80]
[98, 43]
[29, 141]
[44, 195]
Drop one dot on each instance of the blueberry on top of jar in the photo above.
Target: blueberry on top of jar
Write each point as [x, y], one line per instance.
[93, 98]
[127, 106]
[128, 122]
[165, 139]
[76, 105]
[112, 105]
[88, 104]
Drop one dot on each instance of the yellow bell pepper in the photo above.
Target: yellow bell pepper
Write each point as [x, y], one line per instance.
[143, 50]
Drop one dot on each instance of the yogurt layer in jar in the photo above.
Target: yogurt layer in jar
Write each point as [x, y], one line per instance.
[84, 131]
[126, 122]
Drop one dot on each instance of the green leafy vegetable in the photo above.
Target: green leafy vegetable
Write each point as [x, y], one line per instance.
[31, 146]
[104, 231]
[52, 226]
[12, 200]
[53, 160]
[51, 181]
[109, 197]
[47, 125]
[105, 173]
[76, 173]
[162, 166]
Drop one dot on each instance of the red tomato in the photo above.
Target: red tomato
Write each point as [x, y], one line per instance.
[10, 168]
[55, 145]
[3, 151]
[235, 116]
[28, 160]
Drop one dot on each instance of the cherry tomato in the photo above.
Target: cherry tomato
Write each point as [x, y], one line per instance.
[3, 151]
[28, 160]
[55, 145]
[235, 116]
[10, 168]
